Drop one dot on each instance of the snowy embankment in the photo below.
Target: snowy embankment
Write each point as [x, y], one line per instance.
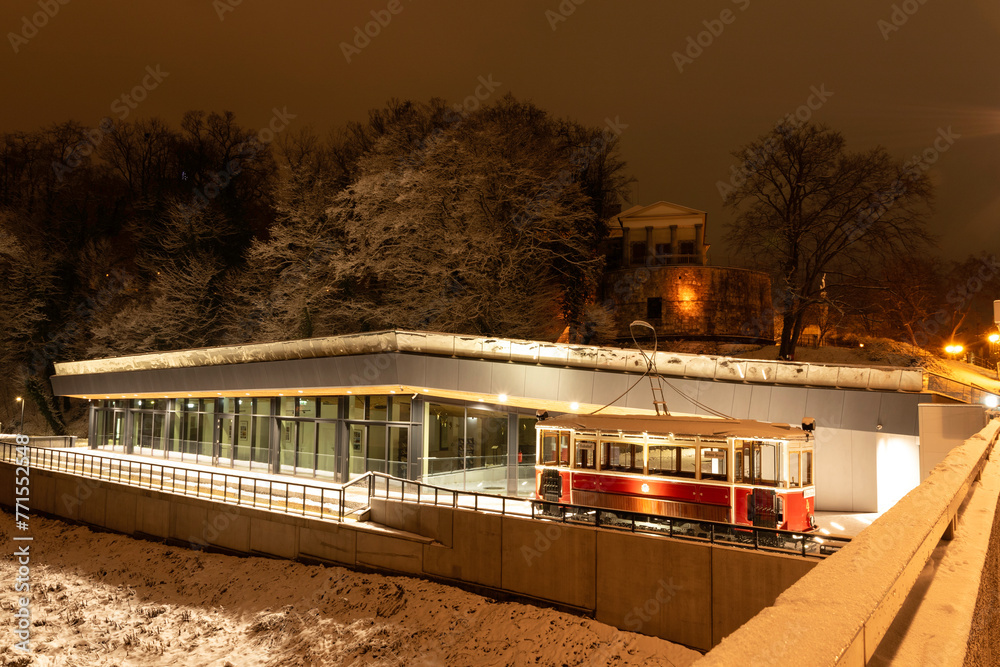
[103, 599]
[842, 608]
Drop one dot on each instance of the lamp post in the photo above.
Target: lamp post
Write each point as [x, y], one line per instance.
[20, 429]
[994, 339]
[953, 350]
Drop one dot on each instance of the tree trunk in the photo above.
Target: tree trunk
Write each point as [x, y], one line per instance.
[787, 346]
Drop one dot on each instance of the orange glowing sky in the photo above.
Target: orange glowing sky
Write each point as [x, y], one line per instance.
[607, 59]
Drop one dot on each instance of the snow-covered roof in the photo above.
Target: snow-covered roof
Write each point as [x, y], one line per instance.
[677, 425]
[487, 348]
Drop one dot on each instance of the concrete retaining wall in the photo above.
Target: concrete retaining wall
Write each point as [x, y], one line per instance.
[685, 592]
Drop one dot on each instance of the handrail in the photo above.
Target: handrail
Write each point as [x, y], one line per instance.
[713, 532]
[178, 480]
[943, 385]
[241, 490]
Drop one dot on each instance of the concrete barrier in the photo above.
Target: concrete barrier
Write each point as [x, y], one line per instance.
[838, 613]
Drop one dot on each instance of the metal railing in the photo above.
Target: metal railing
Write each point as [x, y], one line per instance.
[44, 440]
[289, 497]
[960, 391]
[383, 486]
[340, 502]
[712, 532]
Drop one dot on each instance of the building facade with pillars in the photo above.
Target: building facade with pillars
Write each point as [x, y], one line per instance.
[657, 271]
[660, 234]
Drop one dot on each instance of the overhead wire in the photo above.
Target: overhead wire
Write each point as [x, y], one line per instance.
[651, 368]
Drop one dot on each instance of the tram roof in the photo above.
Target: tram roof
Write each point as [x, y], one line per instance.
[677, 425]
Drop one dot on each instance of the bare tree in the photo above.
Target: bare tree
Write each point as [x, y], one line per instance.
[808, 207]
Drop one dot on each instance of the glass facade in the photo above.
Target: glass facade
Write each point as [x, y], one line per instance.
[452, 444]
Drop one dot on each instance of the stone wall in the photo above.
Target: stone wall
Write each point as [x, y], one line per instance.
[697, 302]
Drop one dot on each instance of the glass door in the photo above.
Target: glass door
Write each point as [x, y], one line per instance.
[142, 433]
[287, 436]
[227, 432]
[356, 447]
[326, 456]
[117, 440]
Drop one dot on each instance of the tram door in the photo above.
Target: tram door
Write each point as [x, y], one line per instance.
[763, 505]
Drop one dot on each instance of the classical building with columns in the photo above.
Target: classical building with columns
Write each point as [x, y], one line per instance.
[657, 271]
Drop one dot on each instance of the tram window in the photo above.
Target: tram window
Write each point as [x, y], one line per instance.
[793, 469]
[765, 464]
[713, 463]
[585, 450]
[549, 440]
[670, 460]
[622, 456]
[564, 449]
[807, 468]
[738, 471]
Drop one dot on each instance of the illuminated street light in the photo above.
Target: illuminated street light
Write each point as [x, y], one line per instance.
[994, 338]
[20, 429]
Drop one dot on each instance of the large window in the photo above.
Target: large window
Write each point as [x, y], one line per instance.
[586, 451]
[445, 438]
[758, 463]
[555, 448]
[621, 456]
[714, 462]
[297, 434]
[673, 460]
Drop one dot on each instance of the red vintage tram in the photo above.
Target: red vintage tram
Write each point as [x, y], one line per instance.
[726, 470]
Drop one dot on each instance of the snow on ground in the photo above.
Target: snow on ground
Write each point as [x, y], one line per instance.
[846, 524]
[105, 599]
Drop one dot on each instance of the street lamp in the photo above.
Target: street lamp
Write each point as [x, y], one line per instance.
[953, 349]
[994, 339]
[20, 429]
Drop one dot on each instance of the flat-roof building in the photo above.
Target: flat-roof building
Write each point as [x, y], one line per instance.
[459, 411]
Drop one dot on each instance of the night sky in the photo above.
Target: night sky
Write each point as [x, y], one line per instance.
[904, 75]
